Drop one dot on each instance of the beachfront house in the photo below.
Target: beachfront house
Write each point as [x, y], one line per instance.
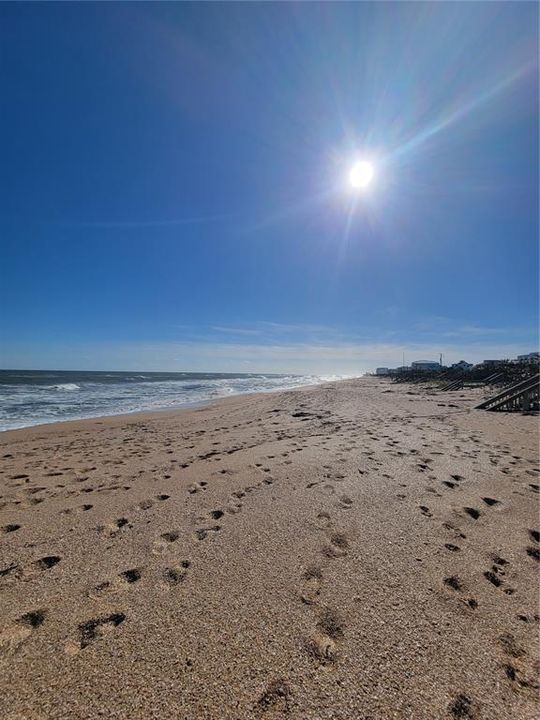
[462, 365]
[382, 371]
[529, 357]
[425, 365]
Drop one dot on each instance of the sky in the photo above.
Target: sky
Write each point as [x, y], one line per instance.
[174, 185]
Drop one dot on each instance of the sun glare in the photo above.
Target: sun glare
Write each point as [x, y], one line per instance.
[361, 174]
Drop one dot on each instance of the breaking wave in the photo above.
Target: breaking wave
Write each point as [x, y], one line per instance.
[37, 397]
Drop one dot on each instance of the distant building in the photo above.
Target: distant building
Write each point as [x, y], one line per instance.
[529, 357]
[382, 371]
[403, 369]
[425, 365]
[493, 363]
[462, 365]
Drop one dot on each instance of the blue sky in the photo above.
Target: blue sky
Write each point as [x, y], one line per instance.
[175, 196]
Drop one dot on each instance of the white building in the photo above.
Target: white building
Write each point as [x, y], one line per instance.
[425, 365]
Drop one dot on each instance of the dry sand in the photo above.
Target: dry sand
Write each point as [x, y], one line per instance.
[350, 551]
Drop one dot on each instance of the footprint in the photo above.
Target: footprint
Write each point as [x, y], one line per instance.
[276, 697]
[201, 533]
[321, 648]
[100, 590]
[234, 507]
[12, 569]
[462, 707]
[311, 589]
[345, 501]
[45, 563]
[454, 582]
[12, 527]
[92, 630]
[490, 501]
[472, 512]
[114, 528]
[32, 619]
[80, 508]
[510, 646]
[160, 546]
[534, 552]
[452, 548]
[510, 672]
[22, 628]
[195, 488]
[331, 624]
[170, 536]
[425, 510]
[493, 578]
[174, 575]
[131, 576]
[337, 547]
[323, 520]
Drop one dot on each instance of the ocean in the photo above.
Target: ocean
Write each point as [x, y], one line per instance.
[33, 397]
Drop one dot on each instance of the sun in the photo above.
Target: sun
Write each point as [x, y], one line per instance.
[361, 174]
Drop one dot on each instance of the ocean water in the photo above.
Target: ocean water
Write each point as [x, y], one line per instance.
[33, 397]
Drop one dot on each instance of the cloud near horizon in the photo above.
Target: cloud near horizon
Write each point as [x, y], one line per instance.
[320, 358]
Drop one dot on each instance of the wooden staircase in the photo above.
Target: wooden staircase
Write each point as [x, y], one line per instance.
[454, 385]
[458, 383]
[524, 395]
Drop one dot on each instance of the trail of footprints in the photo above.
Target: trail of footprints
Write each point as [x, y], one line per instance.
[28, 571]
[322, 645]
[496, 572]
[170, 576]
[516, 669]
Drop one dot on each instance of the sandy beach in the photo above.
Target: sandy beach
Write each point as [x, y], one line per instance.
[358, 550]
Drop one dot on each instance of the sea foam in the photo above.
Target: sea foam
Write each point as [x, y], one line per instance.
[37, 397]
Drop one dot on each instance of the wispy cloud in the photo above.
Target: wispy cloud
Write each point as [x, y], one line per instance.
[395, 330]
[211, 356]
[134, 224]
[272, 331]
[235, 330]
[272, 346]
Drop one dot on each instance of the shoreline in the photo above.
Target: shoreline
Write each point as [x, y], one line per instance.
[312, 554]
[181, 407]
[172, 413]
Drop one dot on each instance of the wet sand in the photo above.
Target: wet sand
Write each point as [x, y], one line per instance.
[354, 551]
